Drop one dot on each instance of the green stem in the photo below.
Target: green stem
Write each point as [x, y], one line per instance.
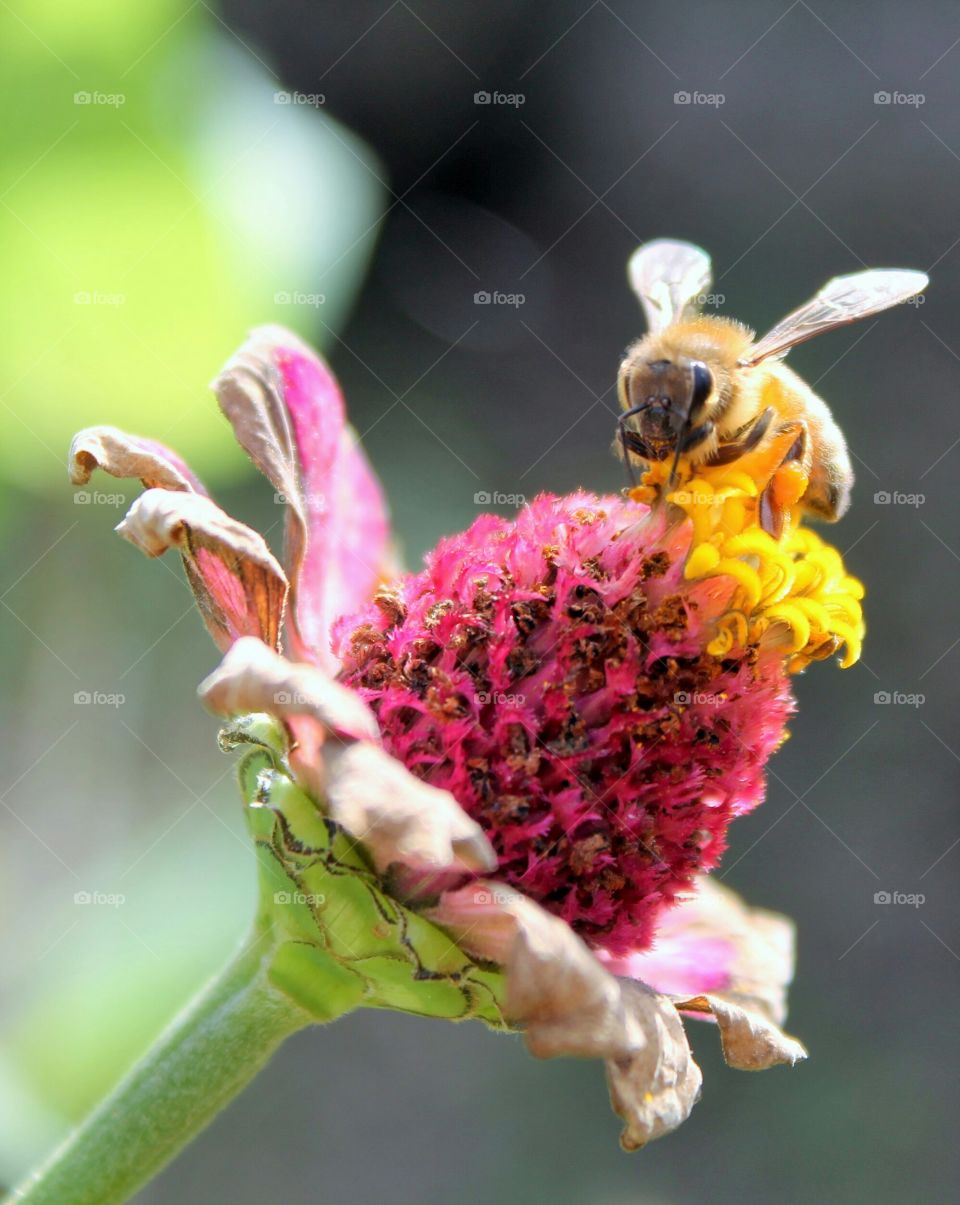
[206, 1056]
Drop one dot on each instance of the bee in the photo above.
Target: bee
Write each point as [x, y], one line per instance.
[700, 389]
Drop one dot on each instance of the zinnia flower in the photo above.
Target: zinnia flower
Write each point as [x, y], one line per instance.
[493, 788]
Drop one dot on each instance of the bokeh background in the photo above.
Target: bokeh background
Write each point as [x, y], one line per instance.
[174, 172]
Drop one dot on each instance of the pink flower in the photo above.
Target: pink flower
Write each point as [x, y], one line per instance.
[540, 738]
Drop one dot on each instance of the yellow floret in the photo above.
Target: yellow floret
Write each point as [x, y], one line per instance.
[793, 592]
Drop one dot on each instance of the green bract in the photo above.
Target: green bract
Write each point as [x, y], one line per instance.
[339, 941]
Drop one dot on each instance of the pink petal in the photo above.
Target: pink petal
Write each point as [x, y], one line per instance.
[287, 412]
[713, 942]
[239, 587]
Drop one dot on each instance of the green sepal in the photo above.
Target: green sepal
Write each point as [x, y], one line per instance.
[257, 728]
[321, 984]
[340, 941]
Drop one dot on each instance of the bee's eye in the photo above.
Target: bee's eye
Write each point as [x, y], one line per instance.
[702, 387]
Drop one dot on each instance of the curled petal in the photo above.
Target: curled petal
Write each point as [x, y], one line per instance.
[568, 1004]
[654, 1089]
[287, 412]
[123, 455]
[400, 819]
[239, 587]
[253, 678]
[750, 1041]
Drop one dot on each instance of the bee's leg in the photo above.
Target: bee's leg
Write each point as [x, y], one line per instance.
[630, 441]
[696, 436]
[827, 499]
[689, 438]
[770, 507]
[727, 453]
[831, 480]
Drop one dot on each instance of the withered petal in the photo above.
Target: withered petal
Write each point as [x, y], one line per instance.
[750, 1040]
[252, 677]
[400, 819]
[654, 1090]
[239, 586]
[123, 455]
[568, 1004]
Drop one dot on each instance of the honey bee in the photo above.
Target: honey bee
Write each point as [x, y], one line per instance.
[699, 388]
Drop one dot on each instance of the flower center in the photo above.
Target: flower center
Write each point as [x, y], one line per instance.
[571, 685]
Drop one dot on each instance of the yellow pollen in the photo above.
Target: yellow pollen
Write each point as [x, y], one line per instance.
[792, 593]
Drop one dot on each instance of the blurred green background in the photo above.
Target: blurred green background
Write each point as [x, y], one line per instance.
[172, 174]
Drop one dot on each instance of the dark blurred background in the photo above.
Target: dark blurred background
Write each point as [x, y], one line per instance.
[361, 173]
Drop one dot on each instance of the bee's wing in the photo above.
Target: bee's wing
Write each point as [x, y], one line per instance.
[668, 276]
[841, 300]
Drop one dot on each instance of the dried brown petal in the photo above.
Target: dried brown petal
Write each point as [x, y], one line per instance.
[252, 677]
[123, 455]
[750, 1041]
[239, 586]
[399, 818]
[653, 1090]
[569, 1005]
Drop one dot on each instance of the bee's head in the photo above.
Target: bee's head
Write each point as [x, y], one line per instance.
[665, 400]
